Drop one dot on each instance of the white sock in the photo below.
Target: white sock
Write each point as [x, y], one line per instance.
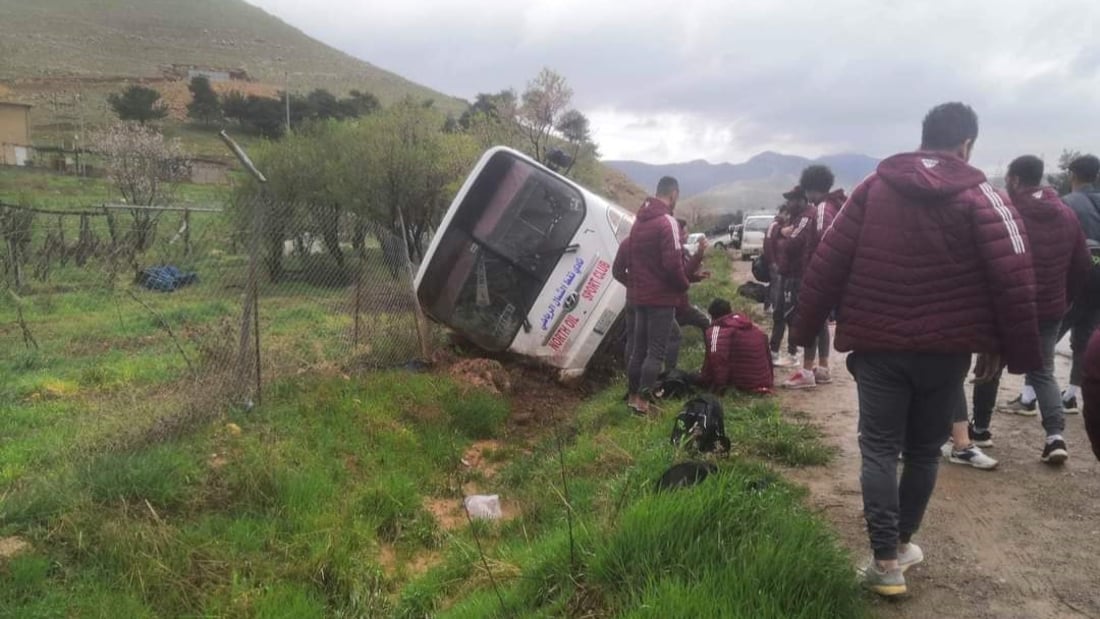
[1070, 392]
[1027, 396]
[1054, 437]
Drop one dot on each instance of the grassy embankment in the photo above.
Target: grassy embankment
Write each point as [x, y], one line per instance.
[322, 503]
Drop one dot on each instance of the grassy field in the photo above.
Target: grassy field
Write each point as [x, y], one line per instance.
[47, 189]
[338, 496]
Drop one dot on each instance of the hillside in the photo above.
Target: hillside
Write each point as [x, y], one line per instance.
[699, 177]
[53, 51]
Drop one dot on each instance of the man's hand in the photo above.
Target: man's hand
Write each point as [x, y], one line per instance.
[704, 275]
[786, 230]
[987, 368]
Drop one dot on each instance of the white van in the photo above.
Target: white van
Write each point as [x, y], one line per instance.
[752, 235]
[522, 262]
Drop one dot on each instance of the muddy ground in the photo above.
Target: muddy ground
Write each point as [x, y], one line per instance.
[1020, 542]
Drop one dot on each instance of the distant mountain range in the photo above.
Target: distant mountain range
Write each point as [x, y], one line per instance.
[752, 185]
[698, 177]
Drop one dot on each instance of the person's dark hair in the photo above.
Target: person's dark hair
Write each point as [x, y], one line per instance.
[719, 308]
[683, 223]
[1086, 168]
[948, 125]
[817, 178]
[667, 185]
[1027, 168]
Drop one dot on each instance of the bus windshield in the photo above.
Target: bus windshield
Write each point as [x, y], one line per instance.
[507, 235]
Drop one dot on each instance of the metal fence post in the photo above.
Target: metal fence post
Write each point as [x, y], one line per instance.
[423, 331]
[251, 313]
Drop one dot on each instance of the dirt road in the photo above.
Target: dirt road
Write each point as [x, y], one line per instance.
[1020, 542]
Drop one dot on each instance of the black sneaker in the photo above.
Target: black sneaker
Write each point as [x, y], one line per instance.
[981, 439]
[1055, 452]
[1070, 405]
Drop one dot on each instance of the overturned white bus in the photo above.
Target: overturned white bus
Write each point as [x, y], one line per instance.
[522, 262]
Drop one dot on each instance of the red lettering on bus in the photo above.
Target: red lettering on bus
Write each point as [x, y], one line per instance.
[596, 280]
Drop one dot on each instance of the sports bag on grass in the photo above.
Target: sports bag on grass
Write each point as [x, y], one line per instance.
[702, 423]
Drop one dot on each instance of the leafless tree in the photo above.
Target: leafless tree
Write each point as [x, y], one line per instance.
[543, 104]
[145, 169]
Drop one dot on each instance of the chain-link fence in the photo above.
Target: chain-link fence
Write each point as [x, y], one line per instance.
[197, 308]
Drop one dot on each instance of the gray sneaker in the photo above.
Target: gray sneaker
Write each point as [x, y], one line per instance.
[912, 556]
[972, 456]
[887, 583]
[1017, 406]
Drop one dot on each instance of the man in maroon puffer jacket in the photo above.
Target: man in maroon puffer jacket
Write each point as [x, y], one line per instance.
[1061, 261]
[736, 353]
[817, 182]
[927, 264]
[652, 263]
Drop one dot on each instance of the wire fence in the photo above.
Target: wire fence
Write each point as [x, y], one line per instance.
[214, 303]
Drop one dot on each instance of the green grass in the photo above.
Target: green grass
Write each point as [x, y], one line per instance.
[52, 190]
[320, 502]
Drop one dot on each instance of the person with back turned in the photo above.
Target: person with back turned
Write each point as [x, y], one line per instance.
[927, 264]
[651, 261]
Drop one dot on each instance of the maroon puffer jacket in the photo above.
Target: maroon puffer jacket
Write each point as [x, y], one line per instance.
[1058, 249]
[795, 245]
[770, 251]
[925, 257]
[823, 214]
[737, 356]
[1090, 391]
[651, 261]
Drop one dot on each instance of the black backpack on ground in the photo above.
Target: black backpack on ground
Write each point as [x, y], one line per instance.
[685, 474]
[760, 270]
[702, 422]
[675, 385]
[754, 291]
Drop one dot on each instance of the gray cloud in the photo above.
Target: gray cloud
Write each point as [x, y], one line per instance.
[723, 79]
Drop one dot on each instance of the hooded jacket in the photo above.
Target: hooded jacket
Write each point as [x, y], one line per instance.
[775, 246]
[1058, 250]
[925, 257]
[795, 244]
[823, 214]
[737, 355]
[650, 262]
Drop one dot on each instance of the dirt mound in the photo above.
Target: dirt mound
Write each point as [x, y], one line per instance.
[11, 547]
[484, 374]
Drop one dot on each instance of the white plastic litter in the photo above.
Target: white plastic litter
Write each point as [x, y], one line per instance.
[483, 506]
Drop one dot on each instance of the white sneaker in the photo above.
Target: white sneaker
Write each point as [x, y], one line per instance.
[822, 376]
[802, 379]
[972, 456]
[912, 556]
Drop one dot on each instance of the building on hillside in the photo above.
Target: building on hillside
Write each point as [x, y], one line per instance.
[15, 133]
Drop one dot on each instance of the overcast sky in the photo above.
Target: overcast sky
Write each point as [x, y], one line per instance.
[724, 79]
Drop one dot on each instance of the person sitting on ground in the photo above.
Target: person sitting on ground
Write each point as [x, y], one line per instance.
[736, 353]
[817, 182]
[913, 307]
[1061, 261]
[652, 263]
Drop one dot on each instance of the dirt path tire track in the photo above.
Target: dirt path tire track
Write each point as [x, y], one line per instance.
[1021, 542]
